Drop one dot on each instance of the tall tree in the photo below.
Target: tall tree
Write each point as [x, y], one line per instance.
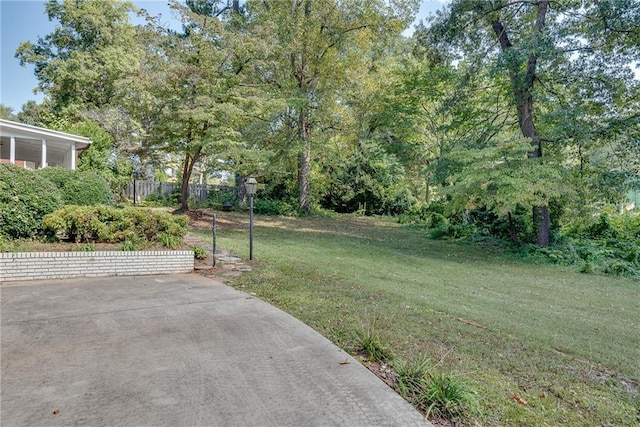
[92, 47]
[310, 56]
[36, 114]
[425, 109]
[81, 67]
[187, 96]
[546, 48]
[6, 112]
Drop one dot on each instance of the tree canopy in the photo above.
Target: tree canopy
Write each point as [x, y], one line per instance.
[495, 106]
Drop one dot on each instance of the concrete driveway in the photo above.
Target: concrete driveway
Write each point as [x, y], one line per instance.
[175, 350]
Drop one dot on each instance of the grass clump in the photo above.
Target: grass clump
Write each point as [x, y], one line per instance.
[439, 395]
[370, 345]
[409, 376]
[445, 396]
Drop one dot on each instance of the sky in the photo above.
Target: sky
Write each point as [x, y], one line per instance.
[26, 20]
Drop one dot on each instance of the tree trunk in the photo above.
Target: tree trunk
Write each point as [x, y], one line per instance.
[427, 195]
[187, 169]
[542, 221]
[241, 189]
[306, 82]
[513, 234]
[522, 89]
[184, 189]
[304, 162]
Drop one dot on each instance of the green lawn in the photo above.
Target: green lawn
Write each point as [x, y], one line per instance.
[566, 343]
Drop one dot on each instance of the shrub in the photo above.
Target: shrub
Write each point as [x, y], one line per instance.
[588, 255]
[85, 224]
[401, 201]
[58, 175]
[517, 226]
[608, 243]
[431, 214]
[87, 189]
[606, 225]
[220, 195]
[169, 240]
[133, 226]
[602, 228]
[620, 268]
[587, 268]
[79, 188]
[453, 231]
[274, 207]
[132, 243]
[155, 200]
[199, 252]
[25, 198]
[437, 220]
[365, 181]
[151, 224]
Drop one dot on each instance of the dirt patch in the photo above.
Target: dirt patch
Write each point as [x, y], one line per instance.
[382, 371]
[203, 220]
[214, 273]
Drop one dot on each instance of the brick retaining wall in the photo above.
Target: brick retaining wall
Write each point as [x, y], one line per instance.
[62, 265]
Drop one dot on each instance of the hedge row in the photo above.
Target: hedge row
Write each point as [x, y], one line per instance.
[76, 206]
[26, 196]
[107, 224]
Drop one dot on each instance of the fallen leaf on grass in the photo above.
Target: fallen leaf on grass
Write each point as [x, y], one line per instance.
[519, 399]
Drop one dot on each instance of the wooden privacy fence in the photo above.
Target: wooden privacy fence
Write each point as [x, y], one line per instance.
[199, 192]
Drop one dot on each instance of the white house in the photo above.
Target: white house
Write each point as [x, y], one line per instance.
[35, 147]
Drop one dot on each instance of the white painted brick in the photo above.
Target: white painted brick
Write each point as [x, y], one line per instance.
[50, 265]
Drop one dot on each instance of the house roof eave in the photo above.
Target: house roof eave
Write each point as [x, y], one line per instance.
[21, 130]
